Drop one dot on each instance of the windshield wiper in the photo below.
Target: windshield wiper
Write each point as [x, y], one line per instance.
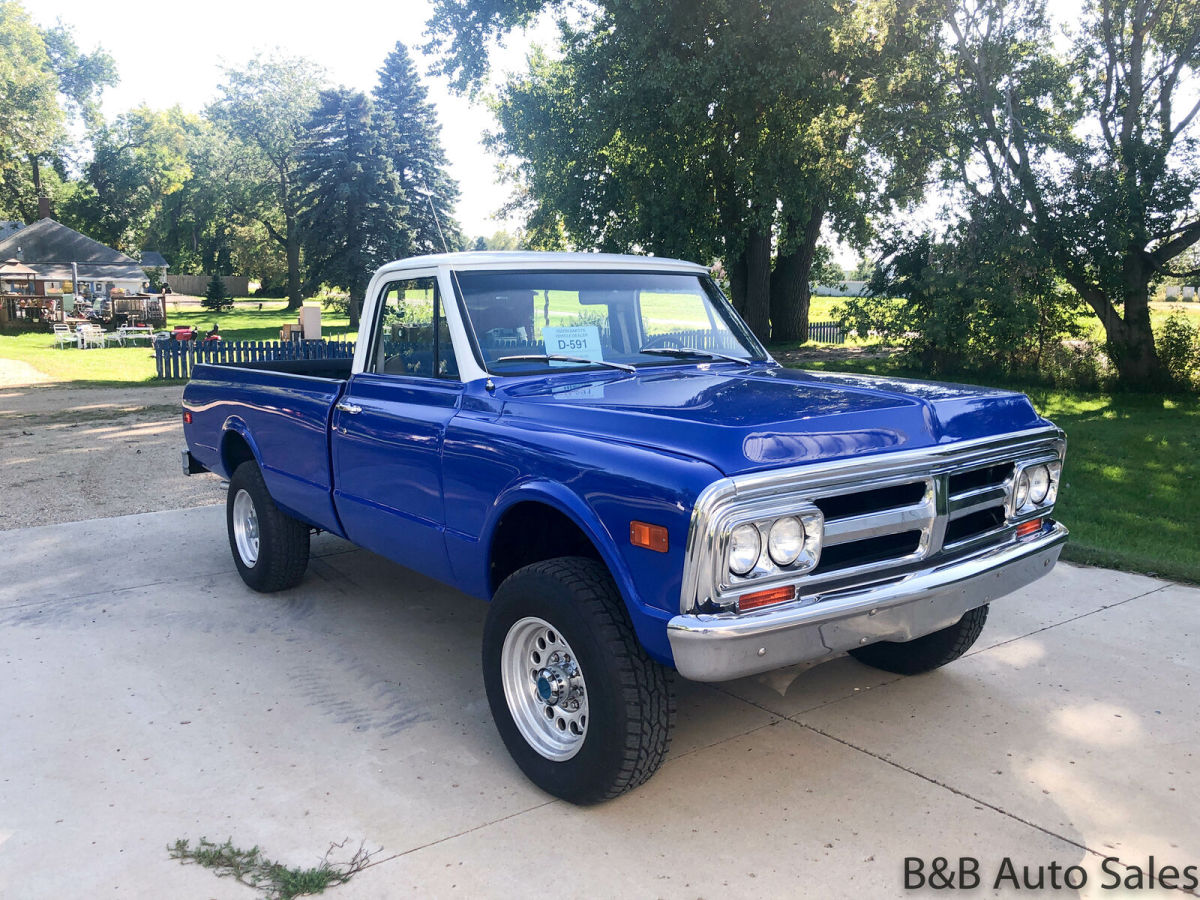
[689, 352]
[573, 359]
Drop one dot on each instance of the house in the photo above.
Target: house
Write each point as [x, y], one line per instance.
[67, 265]
[59, 254]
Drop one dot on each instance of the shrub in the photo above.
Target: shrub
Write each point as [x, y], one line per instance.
[979, 299]
[1178, 346]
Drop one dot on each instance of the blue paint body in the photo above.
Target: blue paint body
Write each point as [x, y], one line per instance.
[425, 474]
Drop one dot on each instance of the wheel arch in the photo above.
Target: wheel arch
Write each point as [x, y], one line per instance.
[543, 505]
[237, 447]
[555, 498]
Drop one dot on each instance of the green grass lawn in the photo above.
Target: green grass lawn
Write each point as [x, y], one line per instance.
[1131, 485]
[134, 364]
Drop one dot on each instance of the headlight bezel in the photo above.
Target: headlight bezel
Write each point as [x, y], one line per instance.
[1021, 502]
[812, 523]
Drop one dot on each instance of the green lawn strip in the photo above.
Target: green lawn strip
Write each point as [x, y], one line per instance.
[1131, 486]
[134, 364]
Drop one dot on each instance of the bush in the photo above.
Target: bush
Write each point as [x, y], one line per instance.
[1178, 346]
[978, 300]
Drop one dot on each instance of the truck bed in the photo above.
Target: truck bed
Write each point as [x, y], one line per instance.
[281, 410]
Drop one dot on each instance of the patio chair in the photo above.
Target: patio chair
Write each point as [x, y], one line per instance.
[114, 337]
[93, 335]
[62, 334]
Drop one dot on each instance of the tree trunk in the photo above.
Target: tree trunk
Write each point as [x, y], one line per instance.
[295, 294]
[757, 308]
[790, 291]
[737, 282]
[1131, 345]
[1129, 338]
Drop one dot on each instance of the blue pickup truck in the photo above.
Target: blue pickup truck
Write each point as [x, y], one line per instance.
[600, 448]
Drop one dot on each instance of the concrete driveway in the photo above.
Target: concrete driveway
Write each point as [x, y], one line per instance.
[148, 696]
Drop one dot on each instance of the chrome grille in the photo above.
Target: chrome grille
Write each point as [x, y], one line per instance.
[882, 515]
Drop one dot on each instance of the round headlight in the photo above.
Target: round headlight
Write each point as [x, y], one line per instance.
[786, 540]
[1022, 496]
[744, 547]
[1039, 483]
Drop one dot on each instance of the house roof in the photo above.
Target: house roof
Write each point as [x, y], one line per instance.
[47, 241]
[89, 272]
[7, 227]
[152, 259]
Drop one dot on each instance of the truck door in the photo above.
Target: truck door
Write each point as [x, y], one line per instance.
[388, 429]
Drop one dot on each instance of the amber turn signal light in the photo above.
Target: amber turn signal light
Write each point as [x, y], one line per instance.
[1027, 528]
[652, 537]
[187, 418]
[766, 598]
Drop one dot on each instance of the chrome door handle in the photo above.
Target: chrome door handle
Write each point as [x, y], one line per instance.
[350, 408]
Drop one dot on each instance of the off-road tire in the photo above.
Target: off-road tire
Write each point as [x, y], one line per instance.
[925, 653]
[283, 541]
[631, 698]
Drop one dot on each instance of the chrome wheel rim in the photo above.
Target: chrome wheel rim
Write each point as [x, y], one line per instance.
[245, 528]
[544, 687]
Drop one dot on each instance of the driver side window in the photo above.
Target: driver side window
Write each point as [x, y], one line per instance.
[411, 336]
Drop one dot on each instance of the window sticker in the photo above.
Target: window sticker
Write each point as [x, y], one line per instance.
[582, 341]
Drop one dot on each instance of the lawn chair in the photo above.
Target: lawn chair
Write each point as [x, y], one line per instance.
[93, 335]
[62, 334]
[114, 337]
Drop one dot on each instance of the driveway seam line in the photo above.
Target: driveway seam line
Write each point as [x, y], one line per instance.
[953, 790]
[1085, 615]
[777, 719]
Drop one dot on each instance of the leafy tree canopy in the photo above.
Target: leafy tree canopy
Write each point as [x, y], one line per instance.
[265, 108]
[44, 81]
[138, 160]
[1092, 153]
[713, 129]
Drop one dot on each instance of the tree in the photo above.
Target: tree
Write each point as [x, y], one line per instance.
[410, 135]
[1091, 153]
[139, 160]
[214, 295]
[44, 82]
[265, 108]
[715, 129]
[355, 215]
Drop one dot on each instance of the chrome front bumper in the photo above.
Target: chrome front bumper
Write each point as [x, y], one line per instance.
[724, 646]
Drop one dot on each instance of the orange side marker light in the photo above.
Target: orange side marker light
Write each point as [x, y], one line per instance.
[652, 537]
[766, 598]
[1027, 528]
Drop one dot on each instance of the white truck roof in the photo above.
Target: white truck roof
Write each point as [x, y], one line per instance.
[528, 259]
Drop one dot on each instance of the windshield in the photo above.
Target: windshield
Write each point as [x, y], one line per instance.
[526, 322]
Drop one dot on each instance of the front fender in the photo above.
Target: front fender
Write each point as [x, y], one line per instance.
[648, 622]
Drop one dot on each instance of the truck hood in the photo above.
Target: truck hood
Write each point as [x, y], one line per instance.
[743, 420]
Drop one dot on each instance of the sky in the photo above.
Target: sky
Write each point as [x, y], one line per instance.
[173, 53]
